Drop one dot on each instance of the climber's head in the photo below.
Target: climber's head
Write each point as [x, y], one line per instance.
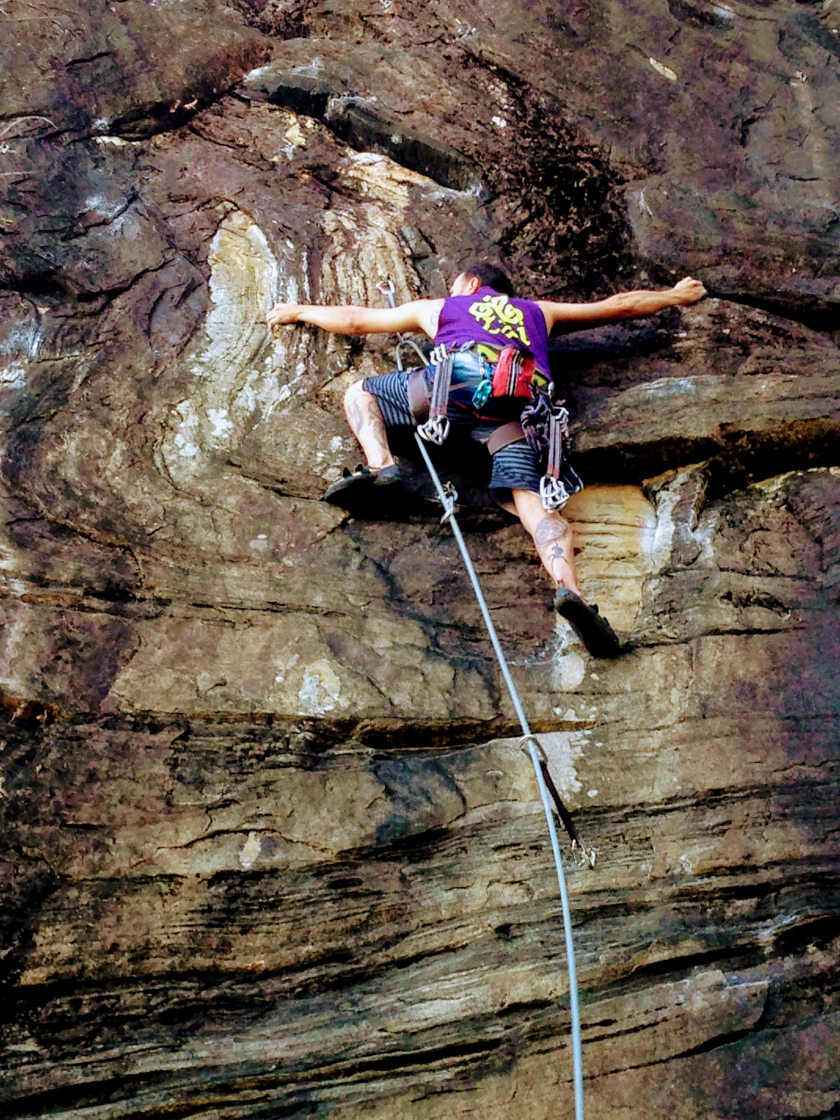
[480, 274]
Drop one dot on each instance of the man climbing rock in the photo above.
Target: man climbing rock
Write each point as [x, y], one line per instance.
[499, 395]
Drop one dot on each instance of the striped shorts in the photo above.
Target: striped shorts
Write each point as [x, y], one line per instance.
[515, 467]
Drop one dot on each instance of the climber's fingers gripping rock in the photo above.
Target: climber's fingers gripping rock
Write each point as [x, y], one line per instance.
[689, 290]
[282, 314]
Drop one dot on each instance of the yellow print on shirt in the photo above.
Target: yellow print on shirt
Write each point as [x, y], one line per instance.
[498, 316]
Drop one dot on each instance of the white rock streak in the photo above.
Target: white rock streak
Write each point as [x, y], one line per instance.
[234, 364]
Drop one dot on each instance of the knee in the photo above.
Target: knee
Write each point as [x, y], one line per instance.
[353, 392]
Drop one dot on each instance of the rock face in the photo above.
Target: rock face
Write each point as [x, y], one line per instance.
[268, 845]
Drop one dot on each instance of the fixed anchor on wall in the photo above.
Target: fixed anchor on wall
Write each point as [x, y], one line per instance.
[386, 288]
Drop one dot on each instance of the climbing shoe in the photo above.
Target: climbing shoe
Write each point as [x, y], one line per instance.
[354, 487]
[593, 630]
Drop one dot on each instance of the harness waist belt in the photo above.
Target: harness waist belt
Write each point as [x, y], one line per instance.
[419, 402]
[508, 433]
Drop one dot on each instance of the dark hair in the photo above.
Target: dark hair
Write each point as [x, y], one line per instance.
[491, 276]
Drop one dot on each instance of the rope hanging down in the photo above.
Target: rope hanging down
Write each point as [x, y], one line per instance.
[528, 742]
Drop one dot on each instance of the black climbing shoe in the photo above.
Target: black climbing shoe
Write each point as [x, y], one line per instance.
[593, 630]
[354, 487]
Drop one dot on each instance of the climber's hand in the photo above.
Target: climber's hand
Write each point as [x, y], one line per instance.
[688, 290]
[282, 314]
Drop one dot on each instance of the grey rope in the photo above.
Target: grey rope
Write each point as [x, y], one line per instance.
[528, 742]
[413, 346]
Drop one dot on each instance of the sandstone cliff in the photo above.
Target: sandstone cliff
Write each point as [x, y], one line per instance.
[268, 846]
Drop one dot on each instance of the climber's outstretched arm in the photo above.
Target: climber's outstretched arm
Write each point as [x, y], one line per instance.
[419, 315]
[626, 305]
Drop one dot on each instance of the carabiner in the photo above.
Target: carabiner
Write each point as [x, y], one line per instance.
[435, 430]
[386, 288]
[553, 493]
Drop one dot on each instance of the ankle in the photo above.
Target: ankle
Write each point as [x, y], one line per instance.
[568, 585]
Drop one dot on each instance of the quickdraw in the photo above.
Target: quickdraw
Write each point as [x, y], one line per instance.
[436, 428]
[545, 424]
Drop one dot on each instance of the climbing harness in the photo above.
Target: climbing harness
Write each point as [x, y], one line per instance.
[529, 743]
[544, 422]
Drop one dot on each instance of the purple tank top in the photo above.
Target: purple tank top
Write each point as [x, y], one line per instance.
[495, 320]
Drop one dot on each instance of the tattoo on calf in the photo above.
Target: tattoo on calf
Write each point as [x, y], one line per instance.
[365, 414]
[372, 419]
[549, 529]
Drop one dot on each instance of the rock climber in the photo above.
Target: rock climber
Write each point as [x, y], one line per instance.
[485, 326]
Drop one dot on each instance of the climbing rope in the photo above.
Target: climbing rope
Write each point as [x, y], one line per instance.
[529, 743]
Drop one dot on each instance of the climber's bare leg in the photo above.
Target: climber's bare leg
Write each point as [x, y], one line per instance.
[366, 424]
[552, 536]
